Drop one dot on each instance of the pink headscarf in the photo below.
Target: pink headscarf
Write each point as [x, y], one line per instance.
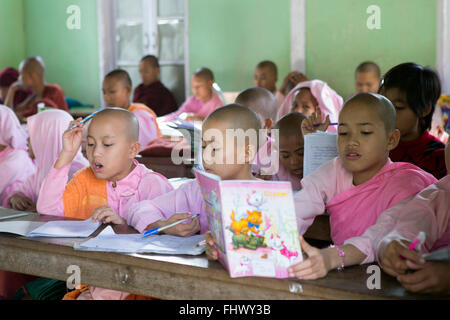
[329, 101]
[46, 129]
[11, 133]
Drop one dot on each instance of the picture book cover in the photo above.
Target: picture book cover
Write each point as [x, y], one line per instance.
[254, 223]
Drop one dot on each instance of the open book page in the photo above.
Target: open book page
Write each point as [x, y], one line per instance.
[21, 228]
[65, 229]
[320, 147]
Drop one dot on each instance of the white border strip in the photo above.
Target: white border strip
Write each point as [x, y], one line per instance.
[443, 44]
[298, 35]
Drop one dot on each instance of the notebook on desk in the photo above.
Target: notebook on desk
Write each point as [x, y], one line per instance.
[6, 214]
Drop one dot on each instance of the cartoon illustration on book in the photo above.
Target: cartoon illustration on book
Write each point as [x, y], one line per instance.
[254, 224]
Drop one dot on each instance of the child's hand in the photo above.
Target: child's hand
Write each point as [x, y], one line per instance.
[314, 123]
[315, 266]
[431, 277]
[181, 229]
[71, 141]
[393, 260]
[105, 214]
[22, 203]
[211, 251]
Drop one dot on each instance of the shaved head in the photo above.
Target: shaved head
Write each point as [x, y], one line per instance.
[127, 119]
[290, 124]
[369, 66]
[204, 73]
[261, 100]
[269, 65]
[33, 65]
[120, 75]
[384, 107]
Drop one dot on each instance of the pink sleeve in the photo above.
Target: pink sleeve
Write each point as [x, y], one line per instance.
[181, 200]
[184, 108]
[428, 211]
[50, 199]
[28, 187]
[317, 189]
[147, 128]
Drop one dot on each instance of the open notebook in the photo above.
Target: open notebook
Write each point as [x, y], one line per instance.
[320, 147]
[109, 241]
[53, 229]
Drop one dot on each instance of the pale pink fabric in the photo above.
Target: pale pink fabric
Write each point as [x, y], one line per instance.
[330, 103]
[283, 174]
[267, 160]
[15, 167]
[353, 209]
[147, 129]
[193, 105]
[15, 164]
[428, 211]
[186, 198]
[12, 134]
[140, 184]
[280, 98]
[46, 129]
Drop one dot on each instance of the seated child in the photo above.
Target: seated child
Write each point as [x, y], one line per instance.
[45, 129]
[7, 77]
[116, 93]
[356, 186]
[111, 183]
[266, 76]
[151, 91]
[395, 229]
[187, 199]
[309, 96]
[291, 149]
[32, 77]
[15, 164]
[204, 101]
[367, 77]
[414, 91]
[263, 102]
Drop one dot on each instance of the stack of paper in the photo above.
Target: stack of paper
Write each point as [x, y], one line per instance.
[108, 241]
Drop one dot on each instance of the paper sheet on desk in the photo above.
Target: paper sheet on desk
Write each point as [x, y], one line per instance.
[65, 229]
[21, 228]
[108, 241]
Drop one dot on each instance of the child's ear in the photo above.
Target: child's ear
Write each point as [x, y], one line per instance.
[393, 139]
[134, 149]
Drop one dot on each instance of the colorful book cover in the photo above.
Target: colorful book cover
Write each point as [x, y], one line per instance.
[254, 223]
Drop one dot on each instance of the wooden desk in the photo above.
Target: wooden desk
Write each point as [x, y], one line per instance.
[178, 277]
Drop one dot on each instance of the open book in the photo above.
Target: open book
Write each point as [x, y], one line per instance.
[254, 223]
[320, 147]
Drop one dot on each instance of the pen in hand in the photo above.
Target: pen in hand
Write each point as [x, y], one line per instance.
[157, 230]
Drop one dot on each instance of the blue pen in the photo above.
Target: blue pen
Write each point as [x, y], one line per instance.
[157, 230]
[87, 118]
[331, 124]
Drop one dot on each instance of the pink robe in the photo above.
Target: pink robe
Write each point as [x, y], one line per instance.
[428, 211]
[353, 209]
[140, 184]
[329, 101]
[147, 128]
[266, 161]
[184, 199]
[15, 164]
[193, 105]
[283, 174]
[280, 98]
[46, 130]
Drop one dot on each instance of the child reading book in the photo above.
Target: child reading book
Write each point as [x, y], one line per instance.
[45, 129]
[356, 186]
[309, 96]
[414, 91]
[116, 93]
